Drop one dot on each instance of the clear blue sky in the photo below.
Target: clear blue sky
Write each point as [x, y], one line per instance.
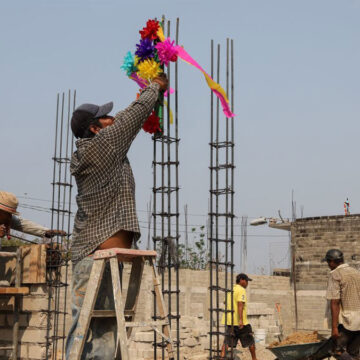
[297, 99]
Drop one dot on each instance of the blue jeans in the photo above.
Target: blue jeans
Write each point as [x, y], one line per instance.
[101, 337]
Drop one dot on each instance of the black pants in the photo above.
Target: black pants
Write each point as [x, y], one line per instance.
[348, 341]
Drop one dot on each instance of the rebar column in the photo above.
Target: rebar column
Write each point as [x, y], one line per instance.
[221, 207]
[57, 252]
[166, 205]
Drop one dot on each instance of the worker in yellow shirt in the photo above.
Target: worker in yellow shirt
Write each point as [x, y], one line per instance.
[236, 324]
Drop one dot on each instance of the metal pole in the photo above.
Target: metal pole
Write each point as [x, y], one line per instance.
[177, 140]
[217, 207]
[211, 200]
[232, 187]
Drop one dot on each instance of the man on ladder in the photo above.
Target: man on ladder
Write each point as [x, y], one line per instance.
[106, 216]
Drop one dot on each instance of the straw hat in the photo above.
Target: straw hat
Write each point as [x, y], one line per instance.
[8, 202]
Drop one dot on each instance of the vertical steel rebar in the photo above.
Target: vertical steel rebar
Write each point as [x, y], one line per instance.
[54, 247]
[168, 150]
[217, 206]
[48, 325]
[232, 189]
[211, 198]
[177, 199]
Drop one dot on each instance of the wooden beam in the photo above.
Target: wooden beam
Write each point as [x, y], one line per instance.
[14, 291]
[124, 254]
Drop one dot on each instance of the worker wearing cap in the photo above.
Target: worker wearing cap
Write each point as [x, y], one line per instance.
[241, 329]
[9, 219]
[106, 215]
[343, 292]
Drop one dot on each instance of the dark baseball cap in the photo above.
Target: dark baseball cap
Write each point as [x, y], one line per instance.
[243, 276]
[333, 254]
[85, 113]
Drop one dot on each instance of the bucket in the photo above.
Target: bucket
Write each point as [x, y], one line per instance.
[260, 336]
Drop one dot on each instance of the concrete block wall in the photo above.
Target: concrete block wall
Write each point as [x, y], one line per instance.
[270, 290]
[263, 293]
[312, 237]
[33, 324]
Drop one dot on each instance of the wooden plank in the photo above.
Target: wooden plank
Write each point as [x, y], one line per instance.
[14, 291]
[104, 313]
[86, 309]
[123, 254]
[33, 268]
[7, 254]
[134, 288]
[110, 313]
[162, 309]
[7, 268]
[34, 264]
[121, 340]
[146, 324]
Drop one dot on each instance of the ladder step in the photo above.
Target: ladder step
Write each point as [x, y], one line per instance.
[7, 254]
[111, 313]
[123, 254]
[103, 313]
[6, 347]
[14, 291]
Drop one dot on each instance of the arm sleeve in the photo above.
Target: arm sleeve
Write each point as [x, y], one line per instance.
[129, 121]
[333, 289]
[27, 226]
[240, 296]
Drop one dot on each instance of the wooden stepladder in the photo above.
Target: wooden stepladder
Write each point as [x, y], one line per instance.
[124, 314]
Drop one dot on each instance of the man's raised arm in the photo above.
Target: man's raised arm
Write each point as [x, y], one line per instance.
[129, 121]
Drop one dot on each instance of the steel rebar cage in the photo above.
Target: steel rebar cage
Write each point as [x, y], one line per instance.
[58, 249]
[166, 204]
[221, 205]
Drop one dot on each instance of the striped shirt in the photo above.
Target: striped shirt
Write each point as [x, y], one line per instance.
[106, 186]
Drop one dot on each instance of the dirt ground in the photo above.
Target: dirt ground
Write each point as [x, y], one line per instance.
[261, 353]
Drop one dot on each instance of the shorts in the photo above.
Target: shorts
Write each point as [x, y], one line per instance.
[245, 335]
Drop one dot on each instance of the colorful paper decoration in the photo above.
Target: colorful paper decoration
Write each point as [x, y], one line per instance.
[152, 53]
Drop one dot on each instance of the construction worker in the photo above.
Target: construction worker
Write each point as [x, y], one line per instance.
[9, 219]
[241, 329]
[347, 207]
[343, 292]
[106, 215]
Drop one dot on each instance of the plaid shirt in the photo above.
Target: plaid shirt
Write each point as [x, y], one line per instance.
[344, 284]
[106, 186]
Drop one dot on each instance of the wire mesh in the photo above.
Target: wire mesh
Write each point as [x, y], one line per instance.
[57, 250]
[166, 204]
[221, 205]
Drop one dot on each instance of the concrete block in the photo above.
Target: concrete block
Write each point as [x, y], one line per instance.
[144, 337]
[190, 342]
[34, 303]
[33, 335]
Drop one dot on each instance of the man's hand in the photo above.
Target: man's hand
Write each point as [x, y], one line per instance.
[241, 326]
[52, 233]
[335, 333]
[162, 81]
[2, 231]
